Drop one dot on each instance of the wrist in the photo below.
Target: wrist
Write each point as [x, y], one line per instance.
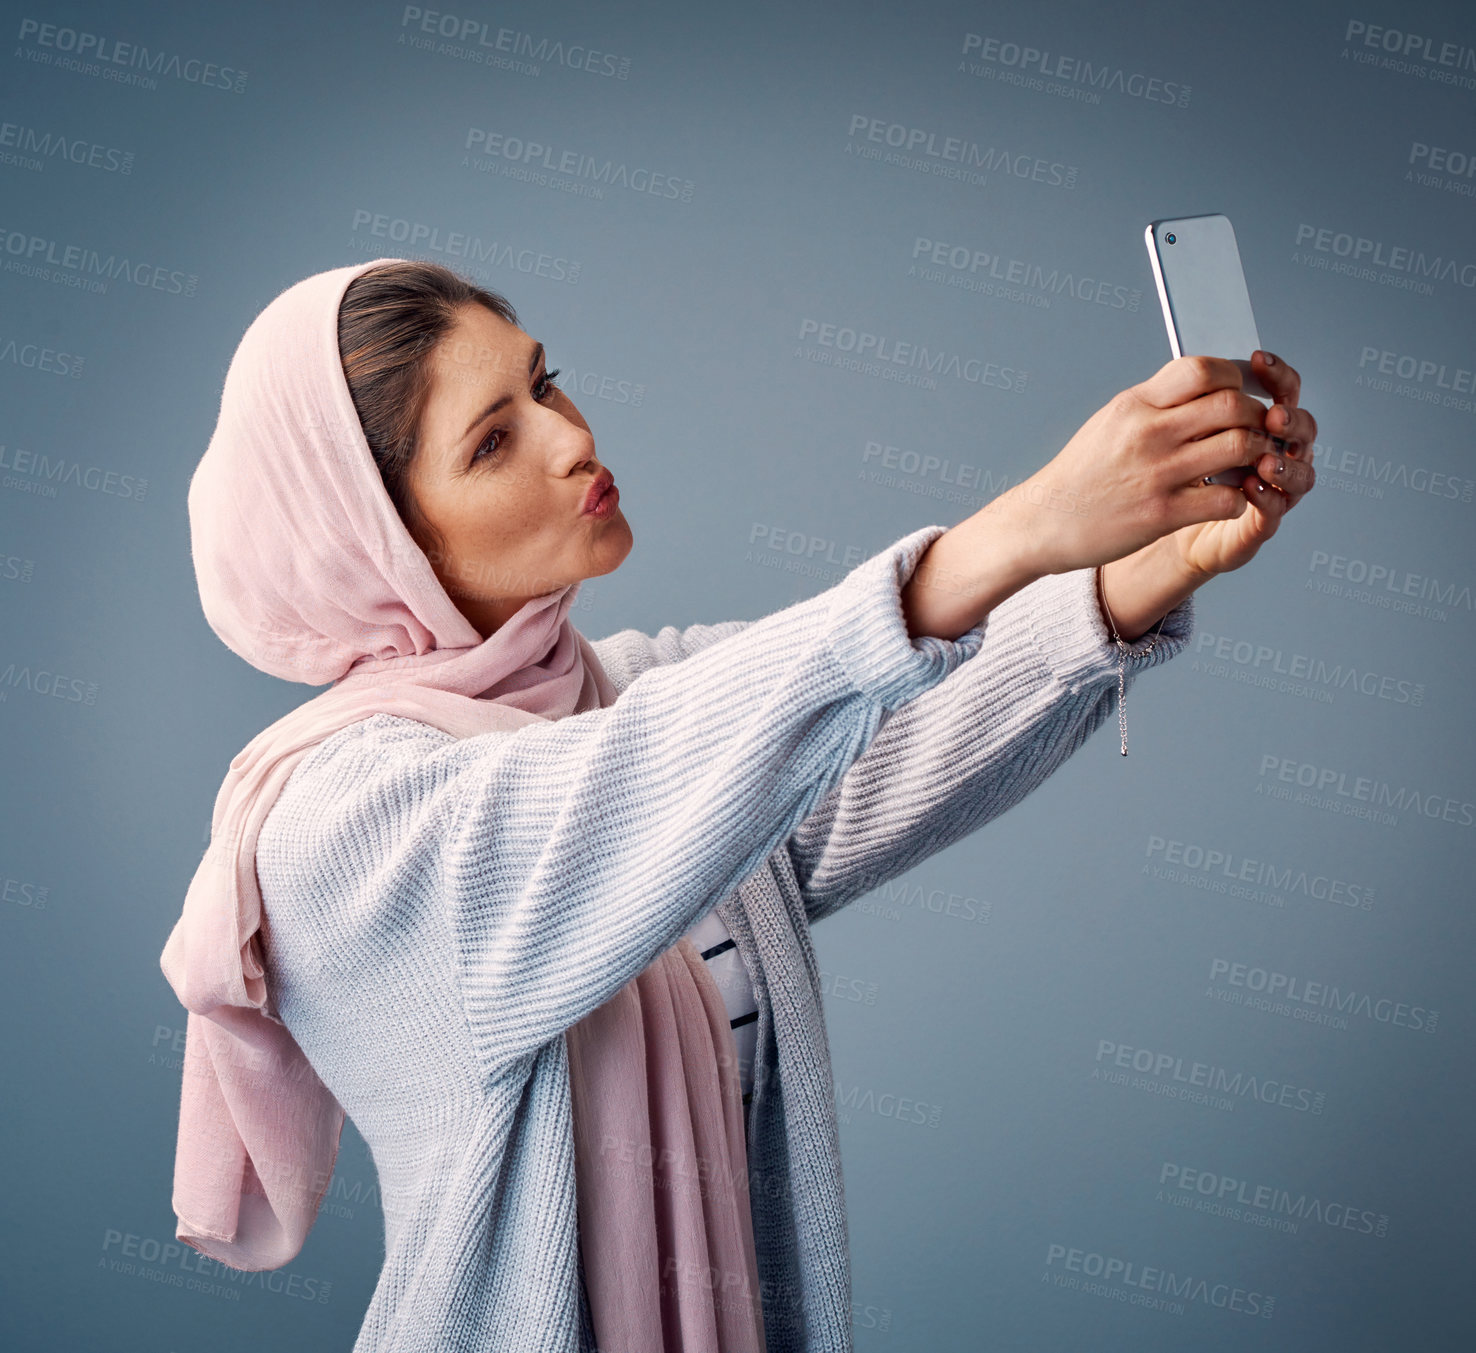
[1143, 587]
[1165, 559]
[965, 573]
[1018, 528]
[1008, 544]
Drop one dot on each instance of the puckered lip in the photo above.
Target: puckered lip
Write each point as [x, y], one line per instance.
[603, 481]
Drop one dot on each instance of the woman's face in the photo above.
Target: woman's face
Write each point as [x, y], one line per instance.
[506, 488]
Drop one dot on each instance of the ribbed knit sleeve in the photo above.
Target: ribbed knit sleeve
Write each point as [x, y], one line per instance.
[627, 653]
[567, 855]
[581, 849]
[976, 744]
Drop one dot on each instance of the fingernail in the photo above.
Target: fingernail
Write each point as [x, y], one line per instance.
[1270, 360]
[1280, 467]
[1260, 487]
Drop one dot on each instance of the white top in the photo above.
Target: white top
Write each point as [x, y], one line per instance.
[711, 938]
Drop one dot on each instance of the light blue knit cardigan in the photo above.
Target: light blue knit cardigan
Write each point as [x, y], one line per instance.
[439, 911]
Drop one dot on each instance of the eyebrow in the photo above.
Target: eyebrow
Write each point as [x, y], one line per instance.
[501, 399]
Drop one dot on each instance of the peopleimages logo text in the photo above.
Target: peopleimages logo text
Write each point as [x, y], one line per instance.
[1074, 70]
[1149, 1278]
[1327, 781]
[1391, 578]
[1278, 1203]
[82, 46]
[1174, 1071]
[1380, 253]
[875, 347]
[1416, 46]
[923, 141]
[1226, 866]
[1283, 986]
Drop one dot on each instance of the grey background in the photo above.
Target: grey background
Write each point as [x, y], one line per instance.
[743, 472]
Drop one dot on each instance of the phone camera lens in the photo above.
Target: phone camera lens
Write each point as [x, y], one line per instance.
[1169, 238]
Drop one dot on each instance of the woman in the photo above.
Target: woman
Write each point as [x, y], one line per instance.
[456, 896]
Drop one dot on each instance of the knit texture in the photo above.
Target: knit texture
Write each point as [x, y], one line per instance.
[440, 911]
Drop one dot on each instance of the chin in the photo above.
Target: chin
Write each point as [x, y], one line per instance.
[619, 548]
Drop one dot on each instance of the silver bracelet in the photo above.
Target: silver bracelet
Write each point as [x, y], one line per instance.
[1122, 657]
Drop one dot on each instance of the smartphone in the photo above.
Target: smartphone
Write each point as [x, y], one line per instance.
[1206, 305]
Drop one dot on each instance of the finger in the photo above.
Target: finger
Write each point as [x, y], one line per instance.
[1305, 452]
[1280, 379]
[1294, 478]
[1285, 385]
[1205, 502]
[1267, 502]
[1295, 425]
[1222, 450]
[1213, 412]
[1291, 425]
[1187, 378]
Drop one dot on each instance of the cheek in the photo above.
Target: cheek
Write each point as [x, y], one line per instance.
[519, 508]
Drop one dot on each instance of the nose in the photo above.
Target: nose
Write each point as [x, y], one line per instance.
[571, 446]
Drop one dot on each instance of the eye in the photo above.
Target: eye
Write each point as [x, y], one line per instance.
[491, 445]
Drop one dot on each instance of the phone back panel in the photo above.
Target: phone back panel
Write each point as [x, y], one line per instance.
[1201, 286]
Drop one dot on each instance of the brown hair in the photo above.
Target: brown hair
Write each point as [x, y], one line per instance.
[389, 323]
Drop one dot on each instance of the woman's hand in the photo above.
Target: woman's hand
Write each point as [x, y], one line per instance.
[1134, 473]
[1281, 478]
[1145, 585]
[1127, 493]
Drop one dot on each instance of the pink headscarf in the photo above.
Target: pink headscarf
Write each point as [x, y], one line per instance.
[306, 570]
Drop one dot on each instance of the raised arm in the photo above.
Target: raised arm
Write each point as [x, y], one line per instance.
[562, 858]
[960, 754]
[975, 744]
[1126, 494]
[628, 653]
